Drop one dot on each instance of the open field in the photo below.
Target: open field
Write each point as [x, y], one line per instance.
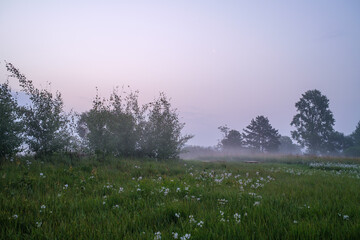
[138, 199]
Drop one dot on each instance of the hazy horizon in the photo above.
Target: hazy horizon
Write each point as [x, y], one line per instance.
[220, 62]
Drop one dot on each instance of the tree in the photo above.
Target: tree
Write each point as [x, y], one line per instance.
[161, 137]
[92, 127]
[261, 136]
[232, 139]
[356, 135]
[11, 126]
[288, 147]
[114, 125]
[354, 150]
[338, 142]
[45, 121]
[314, 122]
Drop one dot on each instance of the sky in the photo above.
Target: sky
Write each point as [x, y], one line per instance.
[220, 62]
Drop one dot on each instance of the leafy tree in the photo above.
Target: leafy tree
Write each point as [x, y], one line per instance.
[356, 135]
[288, 147]
[354, 150]
[92, 127]
[232, 139]
[261, 136]
[114, 125]
[314, 122]
[161, 136]
[11, 126]
[338, 142]
[45, 121]
[120, 126]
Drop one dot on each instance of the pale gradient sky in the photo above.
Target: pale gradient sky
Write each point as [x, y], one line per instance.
[221, 62]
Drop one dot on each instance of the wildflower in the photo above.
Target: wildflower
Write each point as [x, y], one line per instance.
[237, 217]
[157, 235]
[192, 219]
[178, 190]
[104, 202]
[15, 216]
[116, 206]
[139, 189]
[186, 236]
[200, 224]
[43, 207]
[256, 203]
[177, 215]
[245, 214]
[38, 224]
[140, 178]
[65, 186]
[41, 174]
[346, 217]
[186, 188]
[175, 235]
[222, 201]
[121, 190]
[295, 221]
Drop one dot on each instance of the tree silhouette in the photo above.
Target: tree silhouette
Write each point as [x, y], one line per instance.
[261, 136]
[314, 122]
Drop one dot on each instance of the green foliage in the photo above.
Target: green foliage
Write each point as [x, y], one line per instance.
[288, 147]
[356, 135]
[232, 138]
[45, 122]
[261, 136]
[162, 131]
[314, 122]
[11, 126]
[338, 142]
[120, 126]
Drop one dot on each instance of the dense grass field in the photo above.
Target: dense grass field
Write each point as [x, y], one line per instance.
[297, 198]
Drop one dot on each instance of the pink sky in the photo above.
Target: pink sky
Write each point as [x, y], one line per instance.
[221, 62]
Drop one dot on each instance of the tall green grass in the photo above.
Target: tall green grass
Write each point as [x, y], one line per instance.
[135, 199]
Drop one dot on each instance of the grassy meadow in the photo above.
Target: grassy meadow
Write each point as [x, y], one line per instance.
[283, 198]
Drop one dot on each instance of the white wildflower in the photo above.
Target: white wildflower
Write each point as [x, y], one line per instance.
[186, 236]
[157, 235]
[192, 219]
[175, 235]
[237, 217]
[177, 215]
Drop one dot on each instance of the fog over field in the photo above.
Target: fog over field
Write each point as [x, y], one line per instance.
[219, 62]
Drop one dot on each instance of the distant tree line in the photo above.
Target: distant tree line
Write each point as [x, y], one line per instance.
[118, 125]
[313, 132]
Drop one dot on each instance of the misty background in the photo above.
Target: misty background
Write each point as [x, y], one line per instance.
[220, 62]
